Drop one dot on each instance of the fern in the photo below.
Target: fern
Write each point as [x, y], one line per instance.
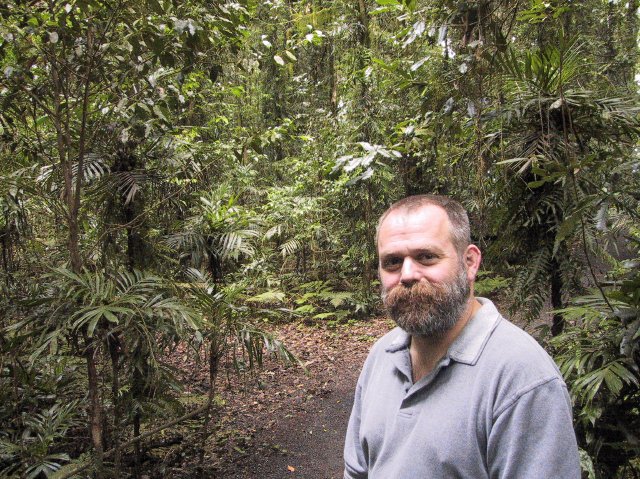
[28, 452]
[531, 284]
[599, 356]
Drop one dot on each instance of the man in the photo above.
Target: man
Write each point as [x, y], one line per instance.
[456, 391]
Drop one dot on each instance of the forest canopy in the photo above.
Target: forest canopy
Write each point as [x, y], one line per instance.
[185, 172]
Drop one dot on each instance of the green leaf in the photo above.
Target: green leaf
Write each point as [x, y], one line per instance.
[161, 112]
[612, 381]
[567, 227]
[110, 316]
[307, 308]
[410, 4]
[93, 317]
[273, 296]
[237, 91]
[536, 184]
[586, 464]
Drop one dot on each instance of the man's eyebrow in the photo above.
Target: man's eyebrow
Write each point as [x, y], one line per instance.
[432, 250]
[423, 250]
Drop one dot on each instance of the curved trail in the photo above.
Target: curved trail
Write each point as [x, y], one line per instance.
[292, 425]
[307, 444]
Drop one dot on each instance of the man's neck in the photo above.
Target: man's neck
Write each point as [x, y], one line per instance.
[427, 351]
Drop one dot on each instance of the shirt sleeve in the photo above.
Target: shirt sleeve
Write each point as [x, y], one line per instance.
[532, 435]
[355, 465]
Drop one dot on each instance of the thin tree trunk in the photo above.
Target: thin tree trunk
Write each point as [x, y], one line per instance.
[365, 38]
[4, 239]
[631, 41]
[138, 393]
[333, 80]
[557, 325]
[61, 119]
[95, 405]
[114, 351]
[76, 190]
[214, 360]
[370, 228]
[74, 472]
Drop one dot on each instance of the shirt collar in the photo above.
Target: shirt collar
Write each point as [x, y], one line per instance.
[468, 345]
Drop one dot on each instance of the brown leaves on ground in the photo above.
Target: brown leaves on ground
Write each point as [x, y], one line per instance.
[256, 402]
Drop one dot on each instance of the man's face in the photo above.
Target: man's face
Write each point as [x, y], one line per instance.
[425, 282]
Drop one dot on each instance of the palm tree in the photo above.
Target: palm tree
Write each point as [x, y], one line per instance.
[560, 141]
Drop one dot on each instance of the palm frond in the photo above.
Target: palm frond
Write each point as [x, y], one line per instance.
[94, 167]
[232, 244]
[290, 247]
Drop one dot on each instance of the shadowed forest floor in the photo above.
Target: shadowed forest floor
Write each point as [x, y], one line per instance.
[281, 421]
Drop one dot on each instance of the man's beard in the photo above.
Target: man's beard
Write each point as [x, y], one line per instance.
[426, 309]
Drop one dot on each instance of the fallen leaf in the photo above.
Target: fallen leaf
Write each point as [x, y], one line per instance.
[291, 468]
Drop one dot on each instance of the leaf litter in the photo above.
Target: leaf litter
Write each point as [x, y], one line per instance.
[280, 420]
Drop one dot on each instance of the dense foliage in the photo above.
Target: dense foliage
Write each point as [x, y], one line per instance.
[179, 172]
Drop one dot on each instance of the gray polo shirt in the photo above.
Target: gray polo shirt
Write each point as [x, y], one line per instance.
[494, 407]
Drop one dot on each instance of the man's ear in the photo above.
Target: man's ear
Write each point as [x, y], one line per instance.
[472, 258]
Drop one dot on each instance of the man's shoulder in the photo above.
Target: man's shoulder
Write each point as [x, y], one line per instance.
[514, 339]
[513, 365]
[515, 349]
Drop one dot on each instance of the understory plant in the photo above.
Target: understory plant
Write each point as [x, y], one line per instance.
[37, 425]
[599, 356]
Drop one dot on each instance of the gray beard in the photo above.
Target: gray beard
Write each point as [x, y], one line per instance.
[426, 309]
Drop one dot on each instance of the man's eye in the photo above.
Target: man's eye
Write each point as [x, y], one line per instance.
[426, 257]
[391, 263]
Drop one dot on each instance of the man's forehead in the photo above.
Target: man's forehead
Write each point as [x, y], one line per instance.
[429, 214]
[428, 225]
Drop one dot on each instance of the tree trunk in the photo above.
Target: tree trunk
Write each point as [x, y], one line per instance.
[631, 41]
[333, 80]
[369, 269]
[364, 40]
[114, 345]
[214, 360]
[66, 139]
[365, 134]
[138, 393]
[364, 37]
[4, 240]
[557, 325]
[95, 405]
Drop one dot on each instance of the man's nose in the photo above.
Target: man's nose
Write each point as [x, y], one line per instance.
[410, 272]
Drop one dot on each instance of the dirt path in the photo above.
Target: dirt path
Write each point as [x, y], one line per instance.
[292, 424]
[306, 444]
